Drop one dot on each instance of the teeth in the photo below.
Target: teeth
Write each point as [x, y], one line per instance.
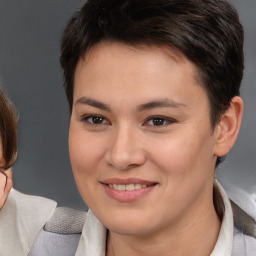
[128, 187]
[121, 187]
[137, 186]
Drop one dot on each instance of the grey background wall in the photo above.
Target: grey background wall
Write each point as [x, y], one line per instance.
[30, 32]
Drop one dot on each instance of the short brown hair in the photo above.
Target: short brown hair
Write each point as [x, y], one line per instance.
[206, 32]
[8, 130]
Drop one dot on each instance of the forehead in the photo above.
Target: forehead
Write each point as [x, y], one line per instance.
[104, 51]
[118, 68]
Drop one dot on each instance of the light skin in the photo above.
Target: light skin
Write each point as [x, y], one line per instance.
[140, 115]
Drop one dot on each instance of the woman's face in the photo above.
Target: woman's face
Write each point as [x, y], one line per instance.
[141, 143]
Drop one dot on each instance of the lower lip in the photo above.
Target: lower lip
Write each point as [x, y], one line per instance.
[128, 196]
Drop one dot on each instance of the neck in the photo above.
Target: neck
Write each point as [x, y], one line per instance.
[195, 233]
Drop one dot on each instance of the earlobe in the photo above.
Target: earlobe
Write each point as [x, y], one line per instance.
[227, 129]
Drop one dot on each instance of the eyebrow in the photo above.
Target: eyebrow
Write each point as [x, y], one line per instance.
[143, 107]
[161, 103]
[93, 103]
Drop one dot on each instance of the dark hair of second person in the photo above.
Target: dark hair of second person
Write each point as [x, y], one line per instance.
[8, 130]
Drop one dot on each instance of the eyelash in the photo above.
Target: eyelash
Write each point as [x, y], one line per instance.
[99, 117]
[166, 121]
[158, 121]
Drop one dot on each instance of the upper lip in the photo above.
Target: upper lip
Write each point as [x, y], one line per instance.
[127, 181]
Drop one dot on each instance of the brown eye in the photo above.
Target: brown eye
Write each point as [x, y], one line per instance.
[95, 120]
[158, 121]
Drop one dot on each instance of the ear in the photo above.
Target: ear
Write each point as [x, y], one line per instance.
[226, 131]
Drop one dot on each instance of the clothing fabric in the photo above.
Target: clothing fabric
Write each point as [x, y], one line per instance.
[245, 201]
[21, 218]
[51, 244]
[61, 234]
[231, 241]
[223, 245]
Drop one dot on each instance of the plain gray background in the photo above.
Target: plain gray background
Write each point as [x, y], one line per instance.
[30, 32]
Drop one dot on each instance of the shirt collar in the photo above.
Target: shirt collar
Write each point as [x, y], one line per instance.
[93, 238]
[223, 246]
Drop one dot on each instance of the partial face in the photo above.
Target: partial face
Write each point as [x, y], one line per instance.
[141, 143]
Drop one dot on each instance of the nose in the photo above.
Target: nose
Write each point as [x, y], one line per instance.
[125, 149]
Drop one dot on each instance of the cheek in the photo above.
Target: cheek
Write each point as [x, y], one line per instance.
[85, 153]
[85, 148]
[169, 151]
[84, 156]
[185, 162]
[183, 153]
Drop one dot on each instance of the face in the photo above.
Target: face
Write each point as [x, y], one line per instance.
[141, 143]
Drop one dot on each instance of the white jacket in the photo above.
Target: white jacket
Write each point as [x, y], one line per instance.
[238, 240]
[21, 218]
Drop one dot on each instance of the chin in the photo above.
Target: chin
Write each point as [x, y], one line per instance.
[129, 230]
[129, 224]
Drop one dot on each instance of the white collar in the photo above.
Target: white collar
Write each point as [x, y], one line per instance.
[223, 246]
[93, 238]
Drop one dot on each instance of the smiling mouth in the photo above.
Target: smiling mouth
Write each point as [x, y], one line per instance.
[128, 190]
[128, 187]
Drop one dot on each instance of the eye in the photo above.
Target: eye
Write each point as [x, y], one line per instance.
[95, 120]
[158, 121]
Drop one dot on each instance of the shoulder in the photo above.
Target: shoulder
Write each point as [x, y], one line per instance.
[21, 219]
[25, 202]
[244, 215]
[243, 244]
[243, 208]
[244, 232]
[61, 233]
